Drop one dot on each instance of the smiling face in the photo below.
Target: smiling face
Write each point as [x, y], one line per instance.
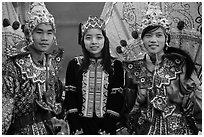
[154, 41]
[43, 37]
[94, 41]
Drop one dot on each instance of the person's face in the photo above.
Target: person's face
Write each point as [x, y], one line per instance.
[94, 41]
[154, 41]
[43, 37]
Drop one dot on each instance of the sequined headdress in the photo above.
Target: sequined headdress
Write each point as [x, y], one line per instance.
[93, 22]
[37, 14]
[153, 16]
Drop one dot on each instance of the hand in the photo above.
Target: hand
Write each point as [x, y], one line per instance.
[78, 132]
[103, 132]
[61, 123]
[60, 133]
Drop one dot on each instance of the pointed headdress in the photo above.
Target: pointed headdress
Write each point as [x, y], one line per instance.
[153, 16]
[37, 14]
[92, 22]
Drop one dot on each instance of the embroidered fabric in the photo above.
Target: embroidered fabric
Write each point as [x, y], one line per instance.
[162, 112]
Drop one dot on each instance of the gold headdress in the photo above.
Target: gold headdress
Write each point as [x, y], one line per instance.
[93, 22]
[37, 14]
[153, 16]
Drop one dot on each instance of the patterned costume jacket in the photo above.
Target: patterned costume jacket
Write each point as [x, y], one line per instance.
[29, 94]
[165, 100]
[93, 91]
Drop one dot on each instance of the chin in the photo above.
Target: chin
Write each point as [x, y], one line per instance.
[152, 52]
[95, 52]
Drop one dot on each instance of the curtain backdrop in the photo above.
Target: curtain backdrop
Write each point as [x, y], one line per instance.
[124, 17]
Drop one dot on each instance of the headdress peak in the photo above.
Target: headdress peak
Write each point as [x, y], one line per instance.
[153, 16]
[93, 22]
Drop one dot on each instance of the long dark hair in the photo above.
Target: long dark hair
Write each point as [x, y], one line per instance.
[106, 58]
[188, 60]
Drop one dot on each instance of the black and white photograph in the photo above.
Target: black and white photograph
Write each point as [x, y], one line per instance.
[101, 68]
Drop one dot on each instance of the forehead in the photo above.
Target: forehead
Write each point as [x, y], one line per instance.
[157, 30]
[44, 27]
[93, 31]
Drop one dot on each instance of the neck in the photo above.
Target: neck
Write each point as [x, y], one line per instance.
[156, 58]
[96, 56]
[36, 54]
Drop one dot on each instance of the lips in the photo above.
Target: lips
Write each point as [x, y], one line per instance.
[153, 46]
[43, 44]
[94, 47]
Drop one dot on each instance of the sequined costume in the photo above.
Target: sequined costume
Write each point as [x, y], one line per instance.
[94, 96]
[166, 103]
[30, 94]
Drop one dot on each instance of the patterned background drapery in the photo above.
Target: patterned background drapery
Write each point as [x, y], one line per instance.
[8, 11]
[124, 17]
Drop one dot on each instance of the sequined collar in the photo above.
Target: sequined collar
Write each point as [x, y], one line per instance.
[28, 67]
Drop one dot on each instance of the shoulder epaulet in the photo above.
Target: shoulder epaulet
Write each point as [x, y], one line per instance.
[130, 66]
[79, 59]
[58, 56]
[19, 56]
[176, 58]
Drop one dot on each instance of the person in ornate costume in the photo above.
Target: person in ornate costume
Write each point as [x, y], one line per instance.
[31, 92]
[169, 99]
[94, 83]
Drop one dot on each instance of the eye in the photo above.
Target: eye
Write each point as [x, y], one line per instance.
[88, 37]
[159, 35]
[99, 37]
[50, 33]
[39, 32]
[147, 35]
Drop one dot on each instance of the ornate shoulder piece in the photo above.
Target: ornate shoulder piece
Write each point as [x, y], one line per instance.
[176, 59]
[37, 74]
[133, 66]
[57, 56]
[79, 60]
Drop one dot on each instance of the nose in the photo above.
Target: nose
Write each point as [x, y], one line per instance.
[153, 39]
[44, 37]
[94, 41]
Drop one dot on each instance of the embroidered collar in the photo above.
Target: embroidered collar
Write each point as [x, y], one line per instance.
[36, 73]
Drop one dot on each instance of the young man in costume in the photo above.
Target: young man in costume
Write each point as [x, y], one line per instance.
[169, 97]
[31, 93]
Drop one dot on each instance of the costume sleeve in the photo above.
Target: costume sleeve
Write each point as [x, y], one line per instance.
[115, 99]
[71, 96]
[130, 93]
[136, 95]
[59, 97]
[10, 85]
[192, 102]
[59, 90]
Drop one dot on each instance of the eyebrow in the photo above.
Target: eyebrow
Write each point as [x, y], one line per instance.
[49, 30]
[91, 34]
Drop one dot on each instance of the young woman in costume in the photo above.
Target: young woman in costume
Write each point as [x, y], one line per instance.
[94, 84]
